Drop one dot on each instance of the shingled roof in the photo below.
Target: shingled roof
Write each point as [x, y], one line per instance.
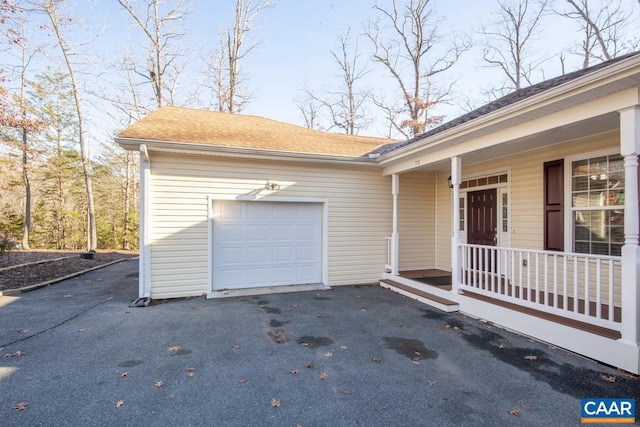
[510, 99]
[210, 128]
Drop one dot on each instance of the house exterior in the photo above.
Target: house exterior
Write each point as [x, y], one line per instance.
[529, 204]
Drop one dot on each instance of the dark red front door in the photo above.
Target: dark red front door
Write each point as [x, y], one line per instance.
[482, 217]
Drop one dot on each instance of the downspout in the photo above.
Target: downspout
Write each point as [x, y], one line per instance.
[144, 276]
[395, 240]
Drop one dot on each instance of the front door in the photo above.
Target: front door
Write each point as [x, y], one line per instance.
[482, 220]
[482, 217]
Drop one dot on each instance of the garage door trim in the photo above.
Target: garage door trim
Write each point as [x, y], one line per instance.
[225, 197]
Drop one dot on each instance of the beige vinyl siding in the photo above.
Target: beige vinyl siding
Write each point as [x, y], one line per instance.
[416, 220]
[360, 214]
[526, 190]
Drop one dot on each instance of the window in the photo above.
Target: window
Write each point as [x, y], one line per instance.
[597, 204]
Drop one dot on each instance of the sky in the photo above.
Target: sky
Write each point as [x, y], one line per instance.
[295, 38]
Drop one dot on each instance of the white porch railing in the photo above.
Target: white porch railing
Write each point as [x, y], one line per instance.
[388, 265]
[582, 287]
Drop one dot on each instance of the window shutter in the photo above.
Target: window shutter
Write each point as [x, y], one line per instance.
[554, 205]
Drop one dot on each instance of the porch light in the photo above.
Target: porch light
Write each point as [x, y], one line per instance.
[273, 186]
[449, 182]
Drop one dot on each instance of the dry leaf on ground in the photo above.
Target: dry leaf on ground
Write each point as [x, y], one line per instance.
[530, 357]
[376, 359]
[308, 365]
[236, 347]
[524, 406]
[159, 383]
[119, 403]
[608, 378]
[324, 376]
[174, 348]
[15, 354]
[191, 372]
[24, 331]
[344, 391]
[447, 326]
[275, 403]
[294, 372]
[328, 354]
[502, 346]
[82, 330]
[124, 375]
[21, 406]
[432, 382]
[514, 412]
[243, 381]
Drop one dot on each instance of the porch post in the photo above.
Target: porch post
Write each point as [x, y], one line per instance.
[395, 190]
[630, 148]
[456, 178]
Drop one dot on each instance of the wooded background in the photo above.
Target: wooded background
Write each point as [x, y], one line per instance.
[64, 184]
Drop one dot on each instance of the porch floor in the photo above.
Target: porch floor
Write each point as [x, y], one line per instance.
[442, 280]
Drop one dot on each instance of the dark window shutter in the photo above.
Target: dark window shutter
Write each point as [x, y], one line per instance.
[554, 205]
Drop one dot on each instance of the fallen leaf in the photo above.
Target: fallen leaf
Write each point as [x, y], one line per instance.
[525, 406]
[343, 347]
[399, 325]
[447, 326]
[119, 403]
[174, 348]
[159, 383]
[376, 359]
[124, 375]
[608, 378]
[501, 346]
[280, 340]
[530, 340]
[21, 406]
[432, 382]
[24, 331]
[324, 376]
[294, 372]
[622, 371]
[67, 296]
[531, 357]
[455, 328]
[294, 305]
[308, 365]
[191, 372]
[288, 310]
[82, 330]
[236, 347]
[15, 354]
[328, 354]
[344, 391]
[306, 344]
[243, 381]
[110, 298]
[275, 403]
[417, 359]
[514, 412]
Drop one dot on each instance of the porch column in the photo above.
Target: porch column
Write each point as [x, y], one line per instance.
[630, 148]
[456, 178]
[395, 190]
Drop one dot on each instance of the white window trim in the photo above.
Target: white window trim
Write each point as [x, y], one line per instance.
[569, 236]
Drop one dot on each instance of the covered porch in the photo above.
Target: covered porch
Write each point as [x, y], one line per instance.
[559, 262]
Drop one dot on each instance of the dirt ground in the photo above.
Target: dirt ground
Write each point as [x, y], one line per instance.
[24, 268]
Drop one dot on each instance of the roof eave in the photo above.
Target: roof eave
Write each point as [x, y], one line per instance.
[133, 144]
[600, 77]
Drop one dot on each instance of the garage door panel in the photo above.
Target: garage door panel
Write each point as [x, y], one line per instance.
[266, 244]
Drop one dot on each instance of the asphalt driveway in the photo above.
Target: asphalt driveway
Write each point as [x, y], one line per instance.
[77, 354]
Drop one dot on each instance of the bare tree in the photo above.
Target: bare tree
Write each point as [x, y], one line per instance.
[603, 24]
[346, 106]
[163, 63]
[309, 107]
[508, 44]
[415, 55]
[50, 7]
[226, 74]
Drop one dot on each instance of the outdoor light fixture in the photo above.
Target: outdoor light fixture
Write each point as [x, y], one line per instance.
[449, 182]
[271, 186]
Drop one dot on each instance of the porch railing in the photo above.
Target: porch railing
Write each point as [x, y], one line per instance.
[582, 287]
[388, 265]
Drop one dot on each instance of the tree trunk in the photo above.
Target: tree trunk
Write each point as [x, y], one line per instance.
[27, 188]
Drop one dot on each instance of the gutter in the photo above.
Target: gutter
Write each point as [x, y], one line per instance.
[243, 153]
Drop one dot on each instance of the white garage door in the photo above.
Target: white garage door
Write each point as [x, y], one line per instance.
[258, 244]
